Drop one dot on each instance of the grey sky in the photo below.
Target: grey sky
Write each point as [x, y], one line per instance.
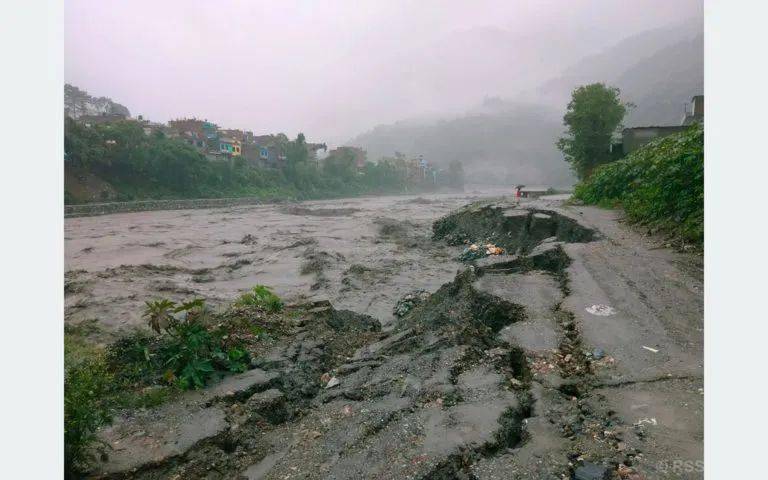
[333, 69]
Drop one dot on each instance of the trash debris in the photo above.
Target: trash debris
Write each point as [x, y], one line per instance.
[409, 302]
[332, 382]
[542, 367]
[601, 310]
[325, 378]
[598, 353]
[646, 421]
[474, 251]
[650, 349]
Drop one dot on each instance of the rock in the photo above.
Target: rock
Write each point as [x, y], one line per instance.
[591, 471]
[270, 405]
[332, 382]
[409, 301]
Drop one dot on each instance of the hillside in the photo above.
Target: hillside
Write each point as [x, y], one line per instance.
[500, 142]
[78, 102]
[510, 141]
[658, 70]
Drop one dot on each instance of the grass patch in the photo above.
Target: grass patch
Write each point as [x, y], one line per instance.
[262, 297]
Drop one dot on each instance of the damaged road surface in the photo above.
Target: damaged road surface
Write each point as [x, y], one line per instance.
[501, 373]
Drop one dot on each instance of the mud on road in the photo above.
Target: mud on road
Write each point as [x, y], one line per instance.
[501, 372]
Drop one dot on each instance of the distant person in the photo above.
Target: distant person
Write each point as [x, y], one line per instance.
[518, 194]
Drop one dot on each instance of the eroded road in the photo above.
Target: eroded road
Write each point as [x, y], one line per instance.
[577, 355]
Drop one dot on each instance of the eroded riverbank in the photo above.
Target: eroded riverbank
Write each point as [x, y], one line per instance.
[578, 353]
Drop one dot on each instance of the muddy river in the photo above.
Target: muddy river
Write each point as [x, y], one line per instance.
[361, 254]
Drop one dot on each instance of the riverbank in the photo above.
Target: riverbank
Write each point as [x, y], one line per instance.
[577, 351]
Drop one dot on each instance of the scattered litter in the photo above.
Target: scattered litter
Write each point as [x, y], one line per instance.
[601, 310]
[474, 251]
[332, 382]
[646, 421]
[347, 410]
[598, 353]
[325, 378]
[542, 367]
[650, 349]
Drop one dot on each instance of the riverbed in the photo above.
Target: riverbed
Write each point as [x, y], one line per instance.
[361, 254]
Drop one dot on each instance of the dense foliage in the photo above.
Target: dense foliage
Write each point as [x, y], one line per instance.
[140, 166]
[594, 113]
[660, 185]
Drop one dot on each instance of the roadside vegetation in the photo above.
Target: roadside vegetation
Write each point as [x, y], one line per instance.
[137, 166]
[660, 186]
[189, 346]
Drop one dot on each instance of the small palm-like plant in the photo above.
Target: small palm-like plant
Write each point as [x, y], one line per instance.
[159, 314]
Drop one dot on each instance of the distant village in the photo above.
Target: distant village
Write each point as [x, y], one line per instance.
[224, 144]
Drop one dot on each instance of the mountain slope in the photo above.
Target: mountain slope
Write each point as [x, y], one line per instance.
[78, 102]
[503, 142]
[658, 71]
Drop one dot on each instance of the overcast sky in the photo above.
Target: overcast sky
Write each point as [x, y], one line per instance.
[333, 69]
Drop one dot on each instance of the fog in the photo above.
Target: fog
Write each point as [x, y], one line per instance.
[337, 69]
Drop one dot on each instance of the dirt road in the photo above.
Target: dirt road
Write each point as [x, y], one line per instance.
[578, 354]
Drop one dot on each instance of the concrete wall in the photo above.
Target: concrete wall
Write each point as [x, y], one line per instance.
[634, 138]
[91, 209]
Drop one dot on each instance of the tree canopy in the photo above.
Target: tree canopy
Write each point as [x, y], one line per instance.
[594, 114]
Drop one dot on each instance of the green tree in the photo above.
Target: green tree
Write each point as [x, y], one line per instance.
[594, 113]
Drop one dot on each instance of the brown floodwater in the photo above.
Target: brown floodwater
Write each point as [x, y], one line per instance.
[362, 254]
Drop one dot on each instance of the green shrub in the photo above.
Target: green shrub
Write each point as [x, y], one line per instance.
[187, 353]
[660, 185]
[87, 406]
[262, 297]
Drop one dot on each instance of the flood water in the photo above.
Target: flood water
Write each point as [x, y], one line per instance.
[362, 254]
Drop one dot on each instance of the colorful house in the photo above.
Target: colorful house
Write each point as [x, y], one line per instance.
[230, 146]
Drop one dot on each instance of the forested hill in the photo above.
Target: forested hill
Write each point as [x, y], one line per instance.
[78, 103]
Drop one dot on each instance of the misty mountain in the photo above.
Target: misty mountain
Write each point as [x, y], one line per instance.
[78, 102]
[658, 70]
[498, 142]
